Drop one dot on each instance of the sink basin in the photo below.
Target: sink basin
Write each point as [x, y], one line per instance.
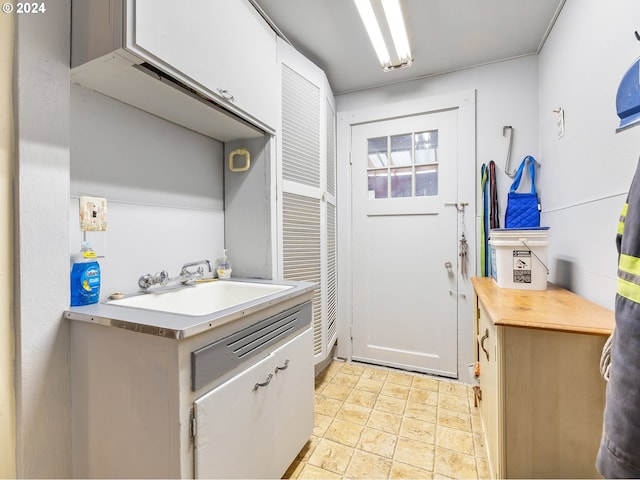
[201, 298]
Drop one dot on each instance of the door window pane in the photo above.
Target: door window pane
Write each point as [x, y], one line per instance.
[378, 183]
[401, 149]
[426, 180]
[401, 182]
[426, 147]
[377, 149]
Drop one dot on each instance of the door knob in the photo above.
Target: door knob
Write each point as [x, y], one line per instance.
[449, 267]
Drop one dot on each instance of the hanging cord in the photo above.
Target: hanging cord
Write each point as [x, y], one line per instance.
[605, 359]
[484, 230]
[494, 220]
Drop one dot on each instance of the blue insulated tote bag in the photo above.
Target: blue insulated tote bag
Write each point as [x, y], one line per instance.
[523, 209]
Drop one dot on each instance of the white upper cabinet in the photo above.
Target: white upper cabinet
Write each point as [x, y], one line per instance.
[207, 65]
[225, 47]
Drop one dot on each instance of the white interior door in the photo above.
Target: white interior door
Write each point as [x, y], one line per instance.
[404, 197]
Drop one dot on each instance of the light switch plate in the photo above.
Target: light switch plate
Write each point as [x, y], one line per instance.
[93, 214]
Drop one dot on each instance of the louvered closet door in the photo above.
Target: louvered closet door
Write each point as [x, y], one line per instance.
[308, 197]
[331, 298]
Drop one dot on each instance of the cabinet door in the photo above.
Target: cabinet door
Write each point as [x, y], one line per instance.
[293, 387]
[225, 47]
[489, 384]
[306, 178]
[235, 427]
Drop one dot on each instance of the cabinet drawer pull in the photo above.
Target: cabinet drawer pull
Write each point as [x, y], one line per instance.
[284, 367]
[484, 337]
[265, 383]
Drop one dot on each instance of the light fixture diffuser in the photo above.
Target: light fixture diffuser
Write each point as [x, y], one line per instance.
[395, 20]
[373, 30]
[385, 26]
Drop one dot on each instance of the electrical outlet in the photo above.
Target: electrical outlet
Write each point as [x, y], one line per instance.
[93, 214]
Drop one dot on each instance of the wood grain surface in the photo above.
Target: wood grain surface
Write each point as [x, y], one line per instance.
[552, 309]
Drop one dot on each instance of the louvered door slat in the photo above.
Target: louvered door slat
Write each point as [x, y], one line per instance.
[300, 129]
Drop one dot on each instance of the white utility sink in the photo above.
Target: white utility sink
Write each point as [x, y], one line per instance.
[201, 298]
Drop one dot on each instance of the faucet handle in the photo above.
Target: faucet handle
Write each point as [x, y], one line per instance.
[162, 278]
[145, 281]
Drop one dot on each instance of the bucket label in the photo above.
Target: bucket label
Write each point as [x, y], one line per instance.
[521, 266]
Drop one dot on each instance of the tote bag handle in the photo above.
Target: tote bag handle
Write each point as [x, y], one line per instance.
[518, 175]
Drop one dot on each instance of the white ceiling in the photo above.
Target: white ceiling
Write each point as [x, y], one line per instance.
[445, 35]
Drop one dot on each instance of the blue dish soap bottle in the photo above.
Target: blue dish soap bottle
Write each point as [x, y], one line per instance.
[85, 278]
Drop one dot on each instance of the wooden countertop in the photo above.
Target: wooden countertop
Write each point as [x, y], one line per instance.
[552, 309]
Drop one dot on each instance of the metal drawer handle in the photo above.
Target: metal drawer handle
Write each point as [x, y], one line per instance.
[265, 383]
[484, 337]
[284, 367]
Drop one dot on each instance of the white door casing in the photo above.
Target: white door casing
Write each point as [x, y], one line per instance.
[405, 230]
[375, 109]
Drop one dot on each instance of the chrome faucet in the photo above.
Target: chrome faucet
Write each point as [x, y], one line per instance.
[186, 275]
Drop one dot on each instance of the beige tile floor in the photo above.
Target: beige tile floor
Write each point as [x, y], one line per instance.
[377, 423]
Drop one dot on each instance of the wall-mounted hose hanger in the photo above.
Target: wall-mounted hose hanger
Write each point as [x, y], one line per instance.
[235, 165]
[509, 129]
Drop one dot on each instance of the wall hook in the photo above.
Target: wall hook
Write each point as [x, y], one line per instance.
[505, 129]
[637, 35]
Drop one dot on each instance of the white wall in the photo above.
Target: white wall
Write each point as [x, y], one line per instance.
[585, 175]
[43, 430]
[163, 185]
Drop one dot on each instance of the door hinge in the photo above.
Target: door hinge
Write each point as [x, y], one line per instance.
[192, 425]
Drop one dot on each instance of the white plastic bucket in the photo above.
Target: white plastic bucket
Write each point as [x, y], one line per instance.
[519, 258]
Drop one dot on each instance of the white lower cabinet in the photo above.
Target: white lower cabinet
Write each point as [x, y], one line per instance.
[542, 396]
[253, 425]
[236, 401]
[487, 355]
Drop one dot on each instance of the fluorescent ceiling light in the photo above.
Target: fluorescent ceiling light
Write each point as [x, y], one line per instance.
[373, 29]
[385, 26]
[398, 30]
